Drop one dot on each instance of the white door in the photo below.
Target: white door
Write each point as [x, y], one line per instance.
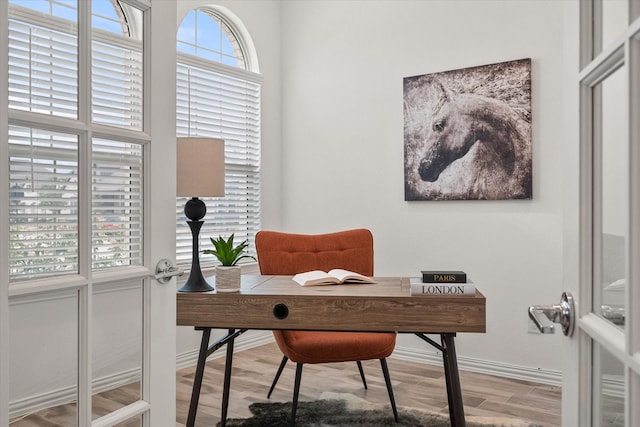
[88, 210]
[601, 385]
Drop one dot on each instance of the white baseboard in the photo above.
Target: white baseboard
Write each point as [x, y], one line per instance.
[257, 338]
[431, 357]
[244, 342]
[434, 357]
[69, 394]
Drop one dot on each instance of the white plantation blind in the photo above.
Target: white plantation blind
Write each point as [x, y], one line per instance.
[116, 80]
[117, 204]
[215, 101]
[43, 203]
[43, 67]
[43, 70]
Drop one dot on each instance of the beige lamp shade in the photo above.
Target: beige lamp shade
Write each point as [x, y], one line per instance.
[200, 168]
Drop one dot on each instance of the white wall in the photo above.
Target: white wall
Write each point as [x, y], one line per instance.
[332, 148]
[342, 132]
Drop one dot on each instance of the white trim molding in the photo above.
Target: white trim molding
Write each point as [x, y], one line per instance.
[244, 342]
[481, 366]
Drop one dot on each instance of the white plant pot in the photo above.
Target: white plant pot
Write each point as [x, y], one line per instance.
[228, 279]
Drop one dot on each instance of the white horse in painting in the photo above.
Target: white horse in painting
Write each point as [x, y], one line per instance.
[466, 146]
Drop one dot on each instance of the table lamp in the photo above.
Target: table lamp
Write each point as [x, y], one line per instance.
[200, 173]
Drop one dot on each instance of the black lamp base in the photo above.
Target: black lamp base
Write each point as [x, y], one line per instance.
[196, 281]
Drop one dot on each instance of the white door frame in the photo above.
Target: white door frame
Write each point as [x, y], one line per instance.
[160, 361]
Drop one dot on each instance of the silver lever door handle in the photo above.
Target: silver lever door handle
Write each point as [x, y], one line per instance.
[544, 316]
[165, 270]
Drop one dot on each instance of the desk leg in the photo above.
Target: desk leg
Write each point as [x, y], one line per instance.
[454, 392]
[197, 380]
[227, 380]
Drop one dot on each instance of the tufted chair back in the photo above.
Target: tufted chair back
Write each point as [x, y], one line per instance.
[288, 254]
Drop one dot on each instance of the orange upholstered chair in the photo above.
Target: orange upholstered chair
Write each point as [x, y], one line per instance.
[289, 254]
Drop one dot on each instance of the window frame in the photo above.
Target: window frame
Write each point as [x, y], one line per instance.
[86, 130]
[213, 225]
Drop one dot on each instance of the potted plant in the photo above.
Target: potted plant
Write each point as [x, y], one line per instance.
[228, 272]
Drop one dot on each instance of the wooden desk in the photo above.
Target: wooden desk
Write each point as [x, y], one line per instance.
[277, 302]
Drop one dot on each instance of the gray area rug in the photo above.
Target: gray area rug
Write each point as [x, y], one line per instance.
[343, 410]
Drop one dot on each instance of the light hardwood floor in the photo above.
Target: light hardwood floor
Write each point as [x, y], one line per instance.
[415, 385]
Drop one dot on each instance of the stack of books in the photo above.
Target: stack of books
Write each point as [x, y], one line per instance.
[442, 283]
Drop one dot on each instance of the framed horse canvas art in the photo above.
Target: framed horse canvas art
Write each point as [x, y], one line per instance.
[467, 133]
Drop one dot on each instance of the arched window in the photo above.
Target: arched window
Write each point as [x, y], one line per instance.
[218, 96]
[205, 35]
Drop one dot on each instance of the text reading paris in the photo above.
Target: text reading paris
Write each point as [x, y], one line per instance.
[444, 277]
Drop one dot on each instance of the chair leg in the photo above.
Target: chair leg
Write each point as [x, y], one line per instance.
[387, 380]
[275, 380]
[296, 391]
[362, 374]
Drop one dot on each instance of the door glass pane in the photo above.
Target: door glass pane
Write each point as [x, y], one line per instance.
[117, 346]
[43, 57]
[116, 64]
[609, 389]
[615, 18]
[634, 11]
[614, 199]
[134, 422]
[117, 188]
[43, 203]
[43, 365]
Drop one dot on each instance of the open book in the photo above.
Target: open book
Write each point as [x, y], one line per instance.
[333, 277]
